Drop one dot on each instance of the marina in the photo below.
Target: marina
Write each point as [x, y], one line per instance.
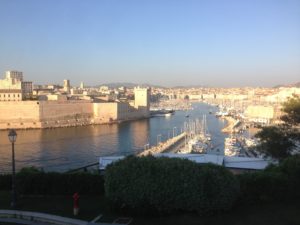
[201, 129]
[63, 149]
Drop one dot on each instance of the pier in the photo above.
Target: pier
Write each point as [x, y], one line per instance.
[232, 124]
[163, 146]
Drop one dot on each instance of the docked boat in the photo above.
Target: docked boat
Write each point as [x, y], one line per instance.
[232, 147]
[199, 140]
[161, 113]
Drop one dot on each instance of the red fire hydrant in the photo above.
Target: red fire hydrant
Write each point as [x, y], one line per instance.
[76, 205]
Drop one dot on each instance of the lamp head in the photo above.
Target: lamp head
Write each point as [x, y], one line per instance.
[12, 136]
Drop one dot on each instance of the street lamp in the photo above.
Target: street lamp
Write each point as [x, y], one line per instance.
[146, 146]
[158, 138]
[12, 136]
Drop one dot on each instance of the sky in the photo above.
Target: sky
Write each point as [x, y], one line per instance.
[217, 43]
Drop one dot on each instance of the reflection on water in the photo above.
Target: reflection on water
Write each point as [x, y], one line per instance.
[64, 148]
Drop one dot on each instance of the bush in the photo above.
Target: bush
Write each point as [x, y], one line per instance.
[5, 182]
[275, 183]
[263, 186]
[32, 181]
[291, 168]
[164, 185]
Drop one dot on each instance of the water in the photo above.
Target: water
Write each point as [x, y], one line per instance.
[61, 149]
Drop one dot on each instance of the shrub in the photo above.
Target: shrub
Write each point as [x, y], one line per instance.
[59, 183]
[291, 168]
[164, 185]
[275, 183]
[263, 186]
[5, 182]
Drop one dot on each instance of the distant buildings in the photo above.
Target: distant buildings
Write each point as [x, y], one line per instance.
[13, 88]
[260, 114]
[61, 107]
[81, 85]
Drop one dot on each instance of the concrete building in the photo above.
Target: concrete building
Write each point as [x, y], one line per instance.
[13, 88]
[17, 75]
[67, 86]
[260, 114]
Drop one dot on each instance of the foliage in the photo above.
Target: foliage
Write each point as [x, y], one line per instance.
[33, 181]
[5, 182]
[276, 183]
[164, 185]
[275, 142]
[280, 141]
[30, 170]
[292, 111]
[262, 186]
[291, 168]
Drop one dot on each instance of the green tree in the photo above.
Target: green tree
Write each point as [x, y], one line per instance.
[275, 142]
[291, 108]
[280, 141]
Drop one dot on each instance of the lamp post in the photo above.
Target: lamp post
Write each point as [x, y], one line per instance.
[12, 136]
[146, 146]
[158, 138]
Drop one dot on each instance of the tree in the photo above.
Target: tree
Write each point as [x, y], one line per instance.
[275, 142]
[292, 111]
[280, 141]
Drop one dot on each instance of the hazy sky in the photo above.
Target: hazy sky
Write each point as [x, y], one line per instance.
[167, 42]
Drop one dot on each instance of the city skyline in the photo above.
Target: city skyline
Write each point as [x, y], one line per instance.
[169, 43]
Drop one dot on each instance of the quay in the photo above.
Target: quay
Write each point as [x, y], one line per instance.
[232, 124]
[164, 146]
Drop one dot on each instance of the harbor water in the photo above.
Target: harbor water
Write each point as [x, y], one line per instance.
[61, 149]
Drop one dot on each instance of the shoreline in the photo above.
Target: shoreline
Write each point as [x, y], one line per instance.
[66, 125]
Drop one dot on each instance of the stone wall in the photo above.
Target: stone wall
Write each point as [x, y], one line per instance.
[20, 114]
[105, 112]
[54, 110]
[47, 114]
[65, 113]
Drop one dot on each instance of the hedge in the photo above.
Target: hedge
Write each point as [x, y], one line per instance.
[42, 183]
[5, 182]
[276, 183]
[164, 185]
[263, 186]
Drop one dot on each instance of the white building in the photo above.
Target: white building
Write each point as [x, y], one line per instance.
[13, 88]
[67, 86]
[142, 100]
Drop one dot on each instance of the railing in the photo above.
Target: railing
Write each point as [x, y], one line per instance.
[84, 168]
[5, 215]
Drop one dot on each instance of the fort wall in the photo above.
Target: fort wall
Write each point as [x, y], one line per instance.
[51, 114]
